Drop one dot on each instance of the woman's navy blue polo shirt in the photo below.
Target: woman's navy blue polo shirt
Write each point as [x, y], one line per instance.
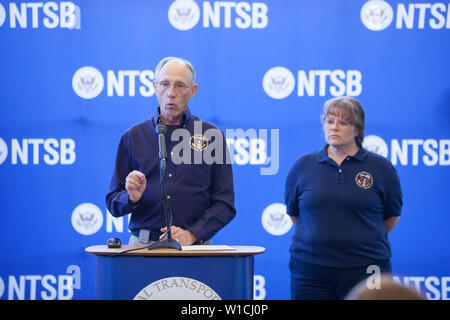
[342, 209]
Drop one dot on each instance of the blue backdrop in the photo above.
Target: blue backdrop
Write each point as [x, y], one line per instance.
[76, 74]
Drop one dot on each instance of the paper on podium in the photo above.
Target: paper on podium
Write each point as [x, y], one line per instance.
[207, 248]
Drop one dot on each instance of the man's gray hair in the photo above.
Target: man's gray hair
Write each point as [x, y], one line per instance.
[188, 65]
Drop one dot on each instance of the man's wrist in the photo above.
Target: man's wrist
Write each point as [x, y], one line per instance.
[132, 201]
[193, 237]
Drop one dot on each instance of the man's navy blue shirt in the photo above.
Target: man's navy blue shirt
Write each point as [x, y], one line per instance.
[201, 195]
[342, 209]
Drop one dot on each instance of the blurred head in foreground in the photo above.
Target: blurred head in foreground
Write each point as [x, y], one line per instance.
[388, 290]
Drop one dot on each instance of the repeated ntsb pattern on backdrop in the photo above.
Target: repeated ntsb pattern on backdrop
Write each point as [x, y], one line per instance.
[79, 73]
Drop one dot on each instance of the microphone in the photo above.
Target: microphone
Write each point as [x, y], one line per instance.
[161, 130]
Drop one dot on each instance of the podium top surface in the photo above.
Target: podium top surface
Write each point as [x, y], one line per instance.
[199, 250]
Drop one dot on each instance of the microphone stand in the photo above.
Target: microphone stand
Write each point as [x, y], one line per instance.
[168, 242]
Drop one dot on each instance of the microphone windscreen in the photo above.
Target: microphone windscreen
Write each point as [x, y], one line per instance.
[161, 128]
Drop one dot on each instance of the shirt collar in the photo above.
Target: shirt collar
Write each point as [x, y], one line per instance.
[185, 119]
[360, 155]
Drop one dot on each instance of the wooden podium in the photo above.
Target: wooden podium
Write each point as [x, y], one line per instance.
[196, 272]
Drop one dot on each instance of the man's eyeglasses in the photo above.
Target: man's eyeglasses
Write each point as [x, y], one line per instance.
[179, 87]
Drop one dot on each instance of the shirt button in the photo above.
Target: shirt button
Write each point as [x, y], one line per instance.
[168, 197]
[170, 175]
[348, 158]
[340, 170]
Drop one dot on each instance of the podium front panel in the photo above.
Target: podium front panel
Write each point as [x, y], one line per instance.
[206, 277]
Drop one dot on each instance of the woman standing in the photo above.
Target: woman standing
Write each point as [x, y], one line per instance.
[343, 201]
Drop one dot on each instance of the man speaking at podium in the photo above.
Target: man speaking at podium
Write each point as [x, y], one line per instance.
[200, 193]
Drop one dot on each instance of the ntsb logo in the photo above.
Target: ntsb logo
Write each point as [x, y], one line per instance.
[252, 147]
[275, 220]
[2, 14]
[185, 14]
[3, 150]
[45, 287]
[434, 287]
[35, 150]
[376, 145]
[377, 15]
[279, 82]
[87, 219]
[430, 152]
[88, 83]
[49, 14]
